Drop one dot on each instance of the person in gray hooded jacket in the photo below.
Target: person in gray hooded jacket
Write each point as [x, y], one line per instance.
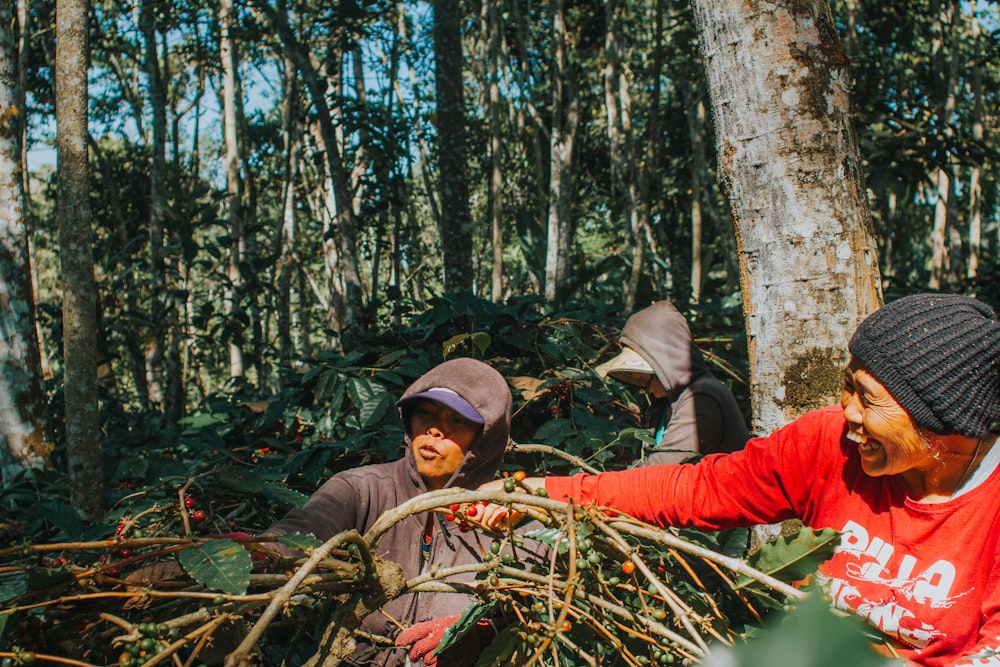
[457, 421]
[692, 411]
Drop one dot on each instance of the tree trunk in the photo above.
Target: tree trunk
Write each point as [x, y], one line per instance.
[493, 28]
[234, 184]
[789, 164]
[22, 400]
[345, 285]
[975, 184]
[156, 340]
[286, 237]
[86, 475]
[565, 121]
[453, 177]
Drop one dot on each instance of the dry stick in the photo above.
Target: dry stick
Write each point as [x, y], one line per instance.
[734, 564]
[48, 658]
[282, 596]
[548, 450]
[694, 576]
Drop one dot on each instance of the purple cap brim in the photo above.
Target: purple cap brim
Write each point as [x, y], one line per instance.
[448, 398]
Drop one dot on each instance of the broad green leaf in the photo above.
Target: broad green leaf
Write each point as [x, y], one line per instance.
[470, 617]
[549, 536]
[555, 431]
[500, 650]
[793, 557]
[300, 541]
[481, 341]
[18, 585]
[370, 398]
[811, 635]
[204, 419]
[241, 479]
[63, 517]
[284, 496]
[220, 565]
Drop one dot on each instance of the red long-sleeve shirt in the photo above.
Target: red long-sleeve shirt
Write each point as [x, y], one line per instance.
[926, 574]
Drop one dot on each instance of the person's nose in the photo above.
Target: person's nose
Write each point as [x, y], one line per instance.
[435, 432]
[852, 410]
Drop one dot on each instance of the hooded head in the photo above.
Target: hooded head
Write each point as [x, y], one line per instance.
[939, 357]
[657, 340]
[478, 393]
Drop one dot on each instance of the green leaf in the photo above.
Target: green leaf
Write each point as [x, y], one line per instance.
[241, 479]
[457, 630]
[500, 650]
[370, 398]
[284, 496]
[14, 587]
[300, 541]
[555, 431]
[809, 636]
[549, 536]
[63, 517]
[793, 557]
[220, 565]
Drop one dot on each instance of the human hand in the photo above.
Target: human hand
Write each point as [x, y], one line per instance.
[425, 637]
[502, 517]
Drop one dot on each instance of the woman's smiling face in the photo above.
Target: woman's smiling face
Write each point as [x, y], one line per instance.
[888, 440]
[439, 437]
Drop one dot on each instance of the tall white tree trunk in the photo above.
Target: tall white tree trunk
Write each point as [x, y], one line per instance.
[234, 182]
[565, 120]
[789, 164]
[22, 401]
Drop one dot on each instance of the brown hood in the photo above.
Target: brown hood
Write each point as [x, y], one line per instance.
[660, 334]
[487, 391]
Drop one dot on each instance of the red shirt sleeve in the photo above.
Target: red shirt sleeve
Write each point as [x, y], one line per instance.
[774, 478]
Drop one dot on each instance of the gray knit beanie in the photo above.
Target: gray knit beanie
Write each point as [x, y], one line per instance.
[939, 357]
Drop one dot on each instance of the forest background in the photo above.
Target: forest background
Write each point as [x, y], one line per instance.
[292, 209]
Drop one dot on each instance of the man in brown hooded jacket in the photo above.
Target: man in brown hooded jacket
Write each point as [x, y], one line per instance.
[461, 404]
[692, 411]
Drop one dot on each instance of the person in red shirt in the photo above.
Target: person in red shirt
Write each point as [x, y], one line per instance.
[906, 468]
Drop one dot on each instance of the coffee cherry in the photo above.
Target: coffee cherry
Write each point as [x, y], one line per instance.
[189, 502]
[508, 485]
[199, 516]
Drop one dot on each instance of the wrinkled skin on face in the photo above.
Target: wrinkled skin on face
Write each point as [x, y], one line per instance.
[440, 437]
[889, 442]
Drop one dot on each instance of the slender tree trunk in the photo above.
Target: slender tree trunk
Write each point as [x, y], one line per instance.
[939, 232]
[22, 400]
[453, 177]
[345, 288]
[496, 145]
[696, 127]
[945, 256]
[978, 134]
[565, 121]
[234, 184]
[156, 339]
[286, 237]
[86, 474]
[789, 164]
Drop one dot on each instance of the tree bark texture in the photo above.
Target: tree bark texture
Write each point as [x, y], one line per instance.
[562, 136]
[234, 182]
[453, 176]
[789, 164]
[22, 401]
[86, 475]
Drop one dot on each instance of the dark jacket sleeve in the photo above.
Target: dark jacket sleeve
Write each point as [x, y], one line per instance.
[332, 509]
